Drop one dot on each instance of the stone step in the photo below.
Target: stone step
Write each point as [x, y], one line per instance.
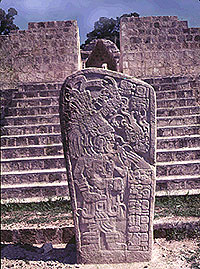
[30, 102]
[178, 155]
[39, 87]
[164, 169]
[55, 138]
[32, 119]
[170, 84]
[53, 117]
[35, 110]
[21, 164]
[178, 142]
[31, 151]
[39, 191]
[174, 94]
[178, 131]
[31, 129]
[27, 140]
[177, 192]
[178, 120]
[191, 110]
[166, 103]
[35, 94]
[34, 176]
[178, 183]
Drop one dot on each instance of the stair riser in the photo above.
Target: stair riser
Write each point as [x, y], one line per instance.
[24, 130]
[177, 143]
[176, 103]
[178, 111]
[161, 86]
[178, 169]
[32, 192]
[178, 156]
[179, 131]
[33, 111]
[193, 130]
[35, 94]
[39, 87]
[63, 191]
[34, 178]
[187, 184]
[31, 152]
[30, 140]
[174, 94]
[34, 102]
[178, 121]
[33, 120]
[8, 166]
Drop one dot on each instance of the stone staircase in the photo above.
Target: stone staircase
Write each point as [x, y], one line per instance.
[33, 166]
[178, 136]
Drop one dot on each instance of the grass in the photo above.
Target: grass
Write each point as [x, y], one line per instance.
[174, 206]
[58, 206]
[193, 258]
[34, 213]
[186, 206]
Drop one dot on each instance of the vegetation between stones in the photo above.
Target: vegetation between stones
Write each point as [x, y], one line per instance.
[186, 206]
[35, 213]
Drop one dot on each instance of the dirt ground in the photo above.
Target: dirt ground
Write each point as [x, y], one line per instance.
[166, 255]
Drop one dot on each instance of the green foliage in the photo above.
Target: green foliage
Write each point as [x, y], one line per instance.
[193, 258]
[183, 233]
[54, 206]
[108, 29]
[6, 21]
[186, 205]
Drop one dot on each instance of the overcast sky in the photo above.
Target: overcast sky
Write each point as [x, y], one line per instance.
[86, 12]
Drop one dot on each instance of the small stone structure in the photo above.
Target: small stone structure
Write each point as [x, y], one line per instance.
[108, 134]
[104, 51]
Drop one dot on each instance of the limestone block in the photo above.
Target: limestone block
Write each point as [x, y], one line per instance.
[108, 134]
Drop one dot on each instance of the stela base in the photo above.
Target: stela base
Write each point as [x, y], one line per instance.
[112, 257]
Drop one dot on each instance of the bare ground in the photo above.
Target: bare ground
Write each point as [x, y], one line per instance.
[166, 255]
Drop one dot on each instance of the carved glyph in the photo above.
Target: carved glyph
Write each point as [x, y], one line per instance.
[108, 133]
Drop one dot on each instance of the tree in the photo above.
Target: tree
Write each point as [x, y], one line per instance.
[107, 28]
[6, 21]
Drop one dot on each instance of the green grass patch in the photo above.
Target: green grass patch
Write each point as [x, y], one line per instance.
[186, 206]
[193, 258]
[58, 206]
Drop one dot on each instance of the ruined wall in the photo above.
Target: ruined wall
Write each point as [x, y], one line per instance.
[159, 46]
[47, 51]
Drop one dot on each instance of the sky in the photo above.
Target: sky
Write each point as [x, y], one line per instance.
[86, 12]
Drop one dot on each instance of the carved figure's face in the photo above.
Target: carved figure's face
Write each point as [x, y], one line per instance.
[99, 143]
[104, 144]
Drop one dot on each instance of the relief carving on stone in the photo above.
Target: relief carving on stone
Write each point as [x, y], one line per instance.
[108, 133]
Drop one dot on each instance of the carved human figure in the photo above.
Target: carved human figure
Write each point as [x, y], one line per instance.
[107, 137]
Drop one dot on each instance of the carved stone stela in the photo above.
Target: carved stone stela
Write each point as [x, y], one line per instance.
[108, 133]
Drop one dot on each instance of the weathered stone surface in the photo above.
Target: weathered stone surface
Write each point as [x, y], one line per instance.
[23, 194]
[21, 164]
[32, 119]
[40, 54]
[169, 49]
[108, 133]
[104, 51]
